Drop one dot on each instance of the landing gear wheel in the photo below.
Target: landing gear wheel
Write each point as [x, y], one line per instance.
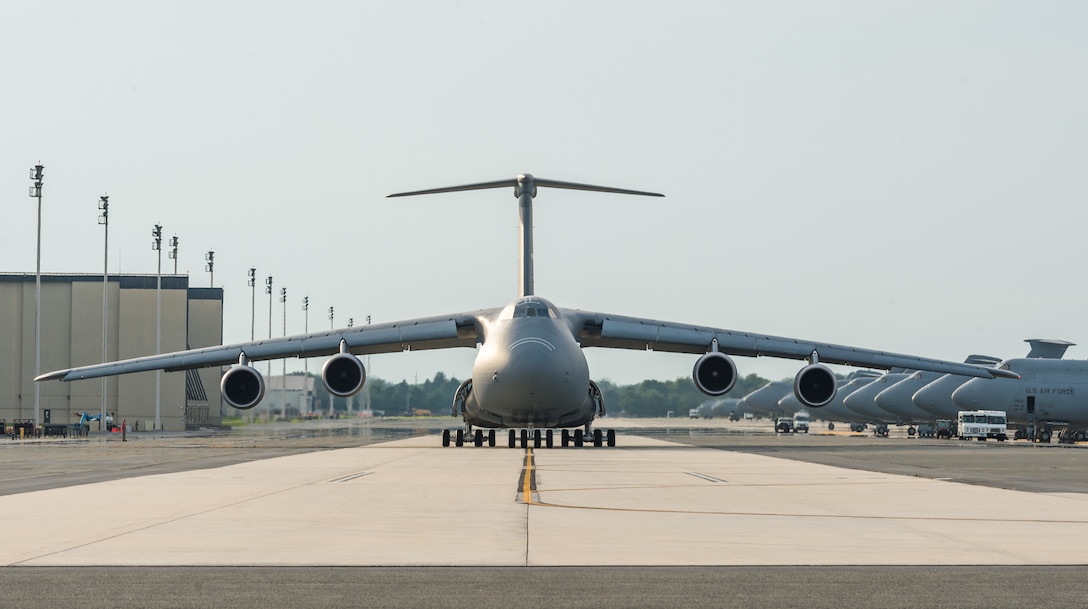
[548, 438]
[478, 438]
[564, 438]
[911, 431]
[491, 438]
[525, 438]
[1044, 436]
[460, 437]
[445, 437]
[831, 427]
[578, 438]
[610, 438]
[536, 438]
[598, 438]
[513, 438]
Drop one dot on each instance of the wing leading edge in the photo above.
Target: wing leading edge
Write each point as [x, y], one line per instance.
[459, 330]
[621, 332]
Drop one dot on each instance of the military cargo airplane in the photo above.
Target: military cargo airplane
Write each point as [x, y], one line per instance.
[764, 401]
[529, 372]
[1050, 393]
[936, 397]
[835, 411]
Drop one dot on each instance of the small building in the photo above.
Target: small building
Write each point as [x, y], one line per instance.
[293, 392]
[72, 335]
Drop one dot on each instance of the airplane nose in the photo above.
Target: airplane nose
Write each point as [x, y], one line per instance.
[969, 395]
[888, 398]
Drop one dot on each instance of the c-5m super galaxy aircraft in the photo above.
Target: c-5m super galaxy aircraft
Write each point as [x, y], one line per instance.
[530, 372]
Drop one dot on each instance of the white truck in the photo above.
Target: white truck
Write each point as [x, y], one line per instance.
[983, 424]
[801, 420]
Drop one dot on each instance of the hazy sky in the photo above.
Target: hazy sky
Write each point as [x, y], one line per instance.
[907, 176]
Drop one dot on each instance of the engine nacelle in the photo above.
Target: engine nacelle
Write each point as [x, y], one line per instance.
[242, 387]
[815, 385]
[714, 373]
[343, 375]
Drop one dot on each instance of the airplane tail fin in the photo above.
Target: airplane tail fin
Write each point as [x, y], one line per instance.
[982, 360]
[1047, 347]
[525, 186]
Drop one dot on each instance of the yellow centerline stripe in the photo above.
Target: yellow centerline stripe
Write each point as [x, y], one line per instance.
[526, 483]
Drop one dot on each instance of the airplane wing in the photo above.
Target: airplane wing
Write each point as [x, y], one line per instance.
[458, 330]
[621, 332]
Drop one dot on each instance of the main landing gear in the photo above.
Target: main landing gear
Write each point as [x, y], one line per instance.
[535, 438]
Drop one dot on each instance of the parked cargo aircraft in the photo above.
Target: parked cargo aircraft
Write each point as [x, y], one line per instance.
[1049, 394]
[835, 411]
[936, 397]
[530, 372]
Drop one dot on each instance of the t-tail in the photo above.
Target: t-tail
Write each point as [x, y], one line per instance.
[525, 186]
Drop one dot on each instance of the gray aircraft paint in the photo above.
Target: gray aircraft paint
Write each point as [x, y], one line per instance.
[834, 411]
[721, 408]
[896, 399]
[764, 401]
[936, 397]
[863, 401]
[1060, 389]
[529, 371]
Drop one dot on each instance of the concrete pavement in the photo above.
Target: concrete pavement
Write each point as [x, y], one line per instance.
[647, 502]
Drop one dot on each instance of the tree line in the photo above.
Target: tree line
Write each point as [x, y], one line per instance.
[649, 398]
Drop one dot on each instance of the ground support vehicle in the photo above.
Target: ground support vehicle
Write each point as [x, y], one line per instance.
[924, 430]
[946, 428]
[784, 425]
[801, 421]
[982, 425]
[25, 428]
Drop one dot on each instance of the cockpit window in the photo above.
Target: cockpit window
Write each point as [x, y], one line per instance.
[533, 309]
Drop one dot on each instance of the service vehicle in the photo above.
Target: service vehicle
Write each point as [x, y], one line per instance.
[983, 424]
[946, 428]
[801, 420]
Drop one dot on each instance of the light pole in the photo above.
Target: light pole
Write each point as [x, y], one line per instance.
[350, 399]
[305, 361]
[36, 173]
[210, 267]
[268, 290]
[157, 246]
[104, 220]
[368, 371]
[253, 310]
[283, 394]
[332, 400]
[174, 252]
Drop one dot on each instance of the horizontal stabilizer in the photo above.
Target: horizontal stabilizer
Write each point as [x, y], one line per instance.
[1048, 348]
[527, 180]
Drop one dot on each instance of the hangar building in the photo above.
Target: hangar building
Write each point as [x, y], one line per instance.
[71, 335]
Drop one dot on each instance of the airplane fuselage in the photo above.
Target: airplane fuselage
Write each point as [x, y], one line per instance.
[1057, 388]
[530, 371]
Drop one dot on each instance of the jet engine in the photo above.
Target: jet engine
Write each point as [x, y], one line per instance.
[714, 373]
[815, 385]
[242, 387]
[343, 375]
